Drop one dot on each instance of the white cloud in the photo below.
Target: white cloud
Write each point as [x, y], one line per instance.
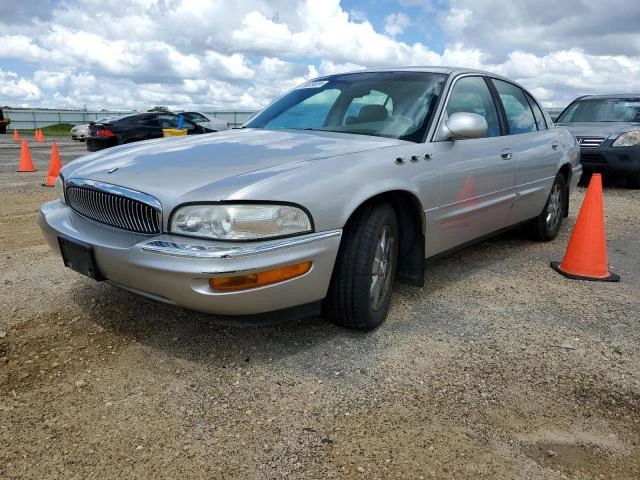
[242, 54]
[396, 23]
[20, 89]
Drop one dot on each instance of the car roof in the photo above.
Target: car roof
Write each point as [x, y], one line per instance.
[426, 69]
[144, 113]
[622, 96]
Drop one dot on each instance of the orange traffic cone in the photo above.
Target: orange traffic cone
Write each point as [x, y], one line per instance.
[26, 164]
[586, 255]
[16, 137]
[42, 137]
[54, 166]
[38, 135]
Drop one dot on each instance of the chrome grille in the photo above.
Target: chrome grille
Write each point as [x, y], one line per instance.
[114, 210]
[590, 142]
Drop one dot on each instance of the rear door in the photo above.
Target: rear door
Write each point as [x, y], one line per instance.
[536, 150]
[477, 175]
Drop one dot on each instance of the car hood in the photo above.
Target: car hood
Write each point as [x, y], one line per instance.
[213, 166]
[599, 129]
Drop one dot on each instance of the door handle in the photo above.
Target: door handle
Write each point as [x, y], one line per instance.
[555, 146]
[506, 154]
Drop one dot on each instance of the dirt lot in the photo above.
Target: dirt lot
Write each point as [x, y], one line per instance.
[465, 380]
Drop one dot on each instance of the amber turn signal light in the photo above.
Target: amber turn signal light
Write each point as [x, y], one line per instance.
[259, 279]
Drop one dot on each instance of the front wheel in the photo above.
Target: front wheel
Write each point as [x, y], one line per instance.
[546, 226]
[363, 277]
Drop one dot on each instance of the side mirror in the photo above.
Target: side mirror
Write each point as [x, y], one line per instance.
[463, 125]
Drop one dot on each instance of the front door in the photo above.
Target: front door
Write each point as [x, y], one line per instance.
[477, 175]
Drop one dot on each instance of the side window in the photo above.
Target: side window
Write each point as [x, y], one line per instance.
[168, 121]
[196, 117]
[148, 121]
[471, 94]
[519, 115]
[309, 113]
[369, 108]
[537, 113]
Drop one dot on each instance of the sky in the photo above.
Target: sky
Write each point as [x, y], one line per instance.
[242, 54]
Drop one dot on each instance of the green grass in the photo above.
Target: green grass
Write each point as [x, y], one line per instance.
[60, 129]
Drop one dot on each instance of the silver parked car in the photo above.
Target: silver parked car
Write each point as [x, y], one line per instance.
[326, 197]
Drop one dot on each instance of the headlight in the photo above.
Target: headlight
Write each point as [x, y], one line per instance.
[59, 189]
[628, 139]
[240, 221]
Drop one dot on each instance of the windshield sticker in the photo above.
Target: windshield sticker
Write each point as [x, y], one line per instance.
[314, 84]
[632, 104]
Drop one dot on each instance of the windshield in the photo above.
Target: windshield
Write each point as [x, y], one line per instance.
[602, 110]
[386, 104]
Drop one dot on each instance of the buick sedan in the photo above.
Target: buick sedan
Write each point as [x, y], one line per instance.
[326, 198]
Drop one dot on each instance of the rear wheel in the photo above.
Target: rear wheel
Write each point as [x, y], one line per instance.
[546, 226]
[365, 270]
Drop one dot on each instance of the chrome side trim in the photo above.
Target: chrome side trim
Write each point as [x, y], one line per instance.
[231, 250]
[115, 189]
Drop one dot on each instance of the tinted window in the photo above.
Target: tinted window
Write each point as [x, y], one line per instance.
[168, 121]
[537, 113]
[519, 115]
[146, 121]
[471, 94]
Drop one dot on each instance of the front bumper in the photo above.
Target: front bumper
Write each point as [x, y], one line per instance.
[608, 159]
[176, 269]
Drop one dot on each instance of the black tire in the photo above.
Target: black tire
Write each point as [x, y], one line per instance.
[350, 302]
[545, 227]
[3, 129]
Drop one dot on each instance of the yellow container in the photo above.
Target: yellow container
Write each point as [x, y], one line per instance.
[173, 132]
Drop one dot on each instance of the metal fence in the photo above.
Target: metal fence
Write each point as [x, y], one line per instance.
[29, 119]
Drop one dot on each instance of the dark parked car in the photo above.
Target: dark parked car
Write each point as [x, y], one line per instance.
[136, 127]
[608, 130]
[4, 121]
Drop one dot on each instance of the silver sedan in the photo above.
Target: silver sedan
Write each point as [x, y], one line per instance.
[328, 196]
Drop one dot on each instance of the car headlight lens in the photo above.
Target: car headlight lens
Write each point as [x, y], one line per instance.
[628, 139]
[59, 189]
[240, 221]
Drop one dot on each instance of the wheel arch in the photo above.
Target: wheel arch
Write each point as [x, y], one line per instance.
[411, 225]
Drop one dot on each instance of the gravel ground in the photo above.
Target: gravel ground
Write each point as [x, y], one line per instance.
[466, 378]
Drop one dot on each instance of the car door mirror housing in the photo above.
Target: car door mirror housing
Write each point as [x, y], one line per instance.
[463, 125]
